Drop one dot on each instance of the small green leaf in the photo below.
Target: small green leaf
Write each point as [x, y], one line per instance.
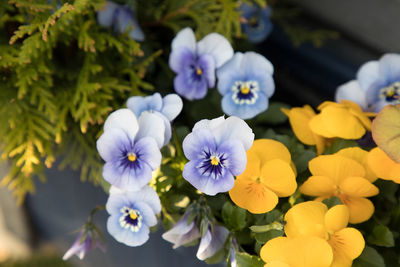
[381, 236]
[246, 260]
[369, 258]
[332, 201]
[266, 228]
[265, 237]
[273, 115]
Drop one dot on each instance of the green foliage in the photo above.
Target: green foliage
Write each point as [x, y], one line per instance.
[369, 258]
[246, 260]
[381, 236]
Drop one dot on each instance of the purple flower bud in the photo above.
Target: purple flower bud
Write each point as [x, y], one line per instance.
[87, 240]
[182, 232]
[211, 243]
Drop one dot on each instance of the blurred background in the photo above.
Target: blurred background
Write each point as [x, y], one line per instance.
[40, 231]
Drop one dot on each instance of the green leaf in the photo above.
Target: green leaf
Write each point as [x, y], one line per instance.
[339, 144]
[273, 115]
[267, 227]
[234, 217]
[369, 258]
[381, 236]
[332, 201]
[265, 237]
[386, 131]
[246, 260]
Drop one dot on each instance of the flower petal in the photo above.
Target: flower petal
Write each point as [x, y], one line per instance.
[207, 64]
[278, 176]
[389, 66]
[383, 166]
[123, 119]
[197, 143]
[361, 209]
[212, 243]
[149, 218]
[359, 155]
[172, 106]
[318, 186]
[337, 218]
[358, 187]
[253, 167]
[268, 149]
[209, 124]
[335, 167]
[352, 91]
[235, 156]
[147, 195]
[299, 119]
[138, 104]
[105, 15]
[151, 125]
[112, 143]
[184, 39]
[347, 245]
[126, 236]
[182, 233]
[188, 88]
[234, 128]
[216, 45]
[147, 151]
[229, 73]
[244, 111]
[306, 219]
[253, 196]
[368, 74]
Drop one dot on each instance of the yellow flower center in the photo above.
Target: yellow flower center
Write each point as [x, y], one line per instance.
[131, 157]
[214, 160]
[133, 215]
[245, 90]
[199, 71]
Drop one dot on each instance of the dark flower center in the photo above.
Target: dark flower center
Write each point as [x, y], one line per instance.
[390, 93]
[212, 164]
[245, 92]
[130, 219]
[130, 159]
[196, 72]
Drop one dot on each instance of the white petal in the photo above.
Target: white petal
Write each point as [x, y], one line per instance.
[172, 106]
[234, 128]
[209, 124]
[389, 67]
[368, 74]
[123, 119]
[184, 39]
[216, 45]
[254, 62]
[147, 195]
[151, 125]
[351, 91]
[229, 71]
[204, 243]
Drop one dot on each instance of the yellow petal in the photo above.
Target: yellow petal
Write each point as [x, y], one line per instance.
[337, 218]
[306, 219]
[278, 176]
[253, 196]
[383, 166]
[267, 149]
[276, 264]
[362, 117]
[359, 155]
[299, 118]
[298, 252]
[337, 122]
[253, 167]
[347, 244]
[318, 186]
[320, 143]
[361, 209]
[328, 104]
[358, 187]
[335, 167]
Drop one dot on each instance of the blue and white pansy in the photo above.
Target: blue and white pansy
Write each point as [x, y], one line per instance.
[256, 22]
[168, 108]
[377, 84]
[195, 63]
[246, 84]
[216, 150]
[131, 214]
[131, 148]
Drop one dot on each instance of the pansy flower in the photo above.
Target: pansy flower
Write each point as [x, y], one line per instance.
[344, 120]
[335, 175]
[216, 150]
[168, 108]
[313, 218]
[182, 232]
[212, 242]
[299, 119]
[256, 22]
[121, 18]
[131, 214]
[383, 166]
[377, 84]
[86, 240]
[268, 175]
[131, 148]
[246, 84]
[195, 63]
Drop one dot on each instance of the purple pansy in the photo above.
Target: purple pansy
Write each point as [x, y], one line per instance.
[131, 214]
[212, 242]
[256, 22]
[377, 84]
[85, 241]
[182, 232]
[131, 148]
[195, 63]
[216, 150]
[168, 108]
[121, 18]
[246, 84]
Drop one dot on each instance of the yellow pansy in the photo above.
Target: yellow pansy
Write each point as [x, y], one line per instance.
[313, 218]
[335, 175]
[299, 119]
[383, 166]
[308, 251]
[268, 175]
[345, 120]
[359, 155]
